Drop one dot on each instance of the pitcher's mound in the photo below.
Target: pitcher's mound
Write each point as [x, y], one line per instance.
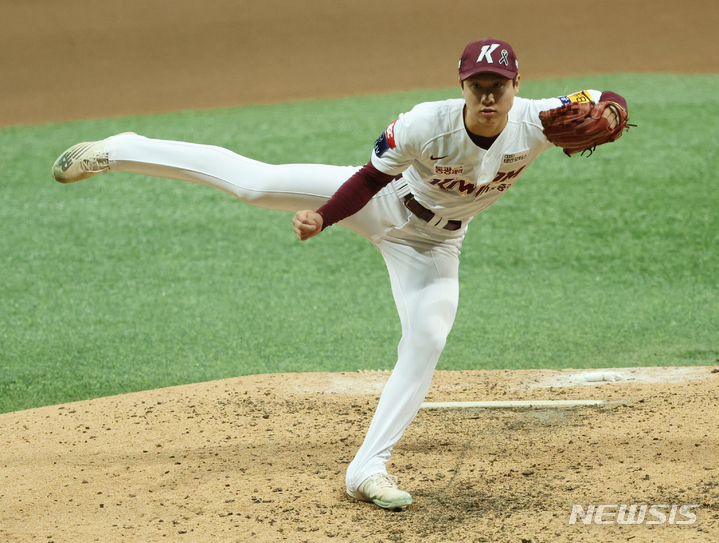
[262, 458]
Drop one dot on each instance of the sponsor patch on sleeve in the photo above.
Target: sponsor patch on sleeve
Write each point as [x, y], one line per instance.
[385, 141]
[581, 96]
[565, 100]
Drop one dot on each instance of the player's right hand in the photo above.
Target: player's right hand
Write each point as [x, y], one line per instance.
[307, 224]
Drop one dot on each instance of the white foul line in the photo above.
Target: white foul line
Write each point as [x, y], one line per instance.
[515, 403]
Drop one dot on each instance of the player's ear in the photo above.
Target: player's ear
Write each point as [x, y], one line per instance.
[516, 81]
[461, 83]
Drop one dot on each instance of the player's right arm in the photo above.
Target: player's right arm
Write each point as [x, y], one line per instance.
[352, 196]
[307, 223]
[357, 191]
[394, 151]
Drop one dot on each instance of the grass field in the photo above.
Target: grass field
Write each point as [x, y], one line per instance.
[126, 283]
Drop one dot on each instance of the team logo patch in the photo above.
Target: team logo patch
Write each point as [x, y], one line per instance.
[486, 53]
[385, 141]
[381, 146]
[390, 135]
[565, 100]
[516, 157]
[581, 96]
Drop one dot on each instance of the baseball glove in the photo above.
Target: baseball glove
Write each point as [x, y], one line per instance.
[579, 126]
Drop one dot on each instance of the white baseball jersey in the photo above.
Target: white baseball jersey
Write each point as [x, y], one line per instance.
[444, 168]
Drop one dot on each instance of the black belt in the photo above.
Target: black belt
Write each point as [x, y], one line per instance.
[425, 214]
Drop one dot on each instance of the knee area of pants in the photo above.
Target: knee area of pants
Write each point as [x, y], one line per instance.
[430, 339]
[252, 196]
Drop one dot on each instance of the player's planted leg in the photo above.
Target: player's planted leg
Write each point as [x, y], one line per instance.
[381, 489]
[424, 285]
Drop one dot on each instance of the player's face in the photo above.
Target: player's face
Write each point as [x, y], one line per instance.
[488, 98]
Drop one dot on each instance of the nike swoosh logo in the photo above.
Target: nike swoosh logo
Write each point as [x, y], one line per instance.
[431, 157]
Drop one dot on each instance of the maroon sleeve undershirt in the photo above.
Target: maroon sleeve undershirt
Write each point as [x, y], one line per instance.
[609, 96]
[354, 194]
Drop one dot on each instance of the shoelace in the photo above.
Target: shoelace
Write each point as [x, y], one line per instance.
[96, 163]
[384, 480]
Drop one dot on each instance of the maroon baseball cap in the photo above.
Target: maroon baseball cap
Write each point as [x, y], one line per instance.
[488, 56]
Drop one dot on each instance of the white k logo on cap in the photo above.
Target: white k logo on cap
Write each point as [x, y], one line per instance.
[479, 57]
[486, 52]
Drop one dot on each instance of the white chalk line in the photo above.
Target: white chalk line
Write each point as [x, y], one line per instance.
[516, 403]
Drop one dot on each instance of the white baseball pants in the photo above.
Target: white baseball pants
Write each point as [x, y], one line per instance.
[422, 261]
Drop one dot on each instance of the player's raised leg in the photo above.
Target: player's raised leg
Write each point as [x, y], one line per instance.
[425, 289]
[83, 160]
[289, 187]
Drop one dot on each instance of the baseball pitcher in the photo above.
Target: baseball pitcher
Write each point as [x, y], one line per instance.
[430, 172]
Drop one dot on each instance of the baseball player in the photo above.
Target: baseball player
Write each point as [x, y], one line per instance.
[431, 171]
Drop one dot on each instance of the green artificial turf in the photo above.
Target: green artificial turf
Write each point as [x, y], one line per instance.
[125, 283]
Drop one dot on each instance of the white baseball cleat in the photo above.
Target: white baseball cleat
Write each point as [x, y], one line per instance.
[381, 489]
[82, 161]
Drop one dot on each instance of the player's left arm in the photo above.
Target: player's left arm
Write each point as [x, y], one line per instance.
[581, 121]
[610, 113]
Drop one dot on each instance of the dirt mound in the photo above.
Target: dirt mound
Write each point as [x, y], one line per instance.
[262, 458]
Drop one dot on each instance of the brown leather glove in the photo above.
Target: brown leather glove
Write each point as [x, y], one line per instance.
[581, 126]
